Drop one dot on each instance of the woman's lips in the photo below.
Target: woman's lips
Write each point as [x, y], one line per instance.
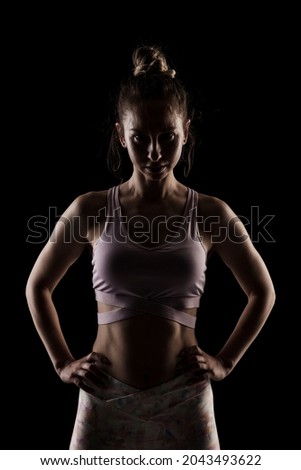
[156, 169]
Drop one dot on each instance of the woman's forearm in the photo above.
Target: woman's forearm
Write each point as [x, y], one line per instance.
[47, 323]
[247, 328]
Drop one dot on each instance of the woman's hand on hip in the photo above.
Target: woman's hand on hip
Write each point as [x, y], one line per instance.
[193, 359]
[85, 372]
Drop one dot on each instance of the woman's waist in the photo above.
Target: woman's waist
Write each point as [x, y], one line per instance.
[119, 385]
[144, 359]
[144, 333]
[141, 371]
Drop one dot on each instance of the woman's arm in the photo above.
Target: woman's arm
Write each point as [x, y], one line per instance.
[246, 264]
[231, 241]
[66, 244]
[60, 252]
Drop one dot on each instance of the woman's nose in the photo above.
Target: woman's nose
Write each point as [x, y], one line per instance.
[154, 152]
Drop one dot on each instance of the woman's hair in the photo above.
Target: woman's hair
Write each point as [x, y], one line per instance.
[151, 79]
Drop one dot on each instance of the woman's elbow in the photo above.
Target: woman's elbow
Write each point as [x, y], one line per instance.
[272, 296]
[34, 288]
[266, 296]
[28, 289]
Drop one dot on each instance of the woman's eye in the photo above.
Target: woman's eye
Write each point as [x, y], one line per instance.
[138, 138]
[169, 136]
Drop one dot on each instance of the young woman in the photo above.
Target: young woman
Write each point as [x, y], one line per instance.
[146, 382]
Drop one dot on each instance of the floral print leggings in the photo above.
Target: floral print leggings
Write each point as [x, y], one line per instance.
[177, 414]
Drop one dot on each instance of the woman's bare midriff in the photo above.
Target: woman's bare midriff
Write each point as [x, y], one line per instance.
[143, 350]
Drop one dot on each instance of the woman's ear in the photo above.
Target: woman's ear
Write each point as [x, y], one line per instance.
[186, 131]
[120, 134]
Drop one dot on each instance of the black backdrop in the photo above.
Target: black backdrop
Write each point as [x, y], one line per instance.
[63, 73]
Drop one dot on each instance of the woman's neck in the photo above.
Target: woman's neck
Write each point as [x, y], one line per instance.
[150, 189]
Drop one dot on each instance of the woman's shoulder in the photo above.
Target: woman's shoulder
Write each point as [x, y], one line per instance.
[213, 206]
[89, 203]
[219, 220]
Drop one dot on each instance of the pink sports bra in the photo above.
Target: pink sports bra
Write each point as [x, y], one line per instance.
[158, 280]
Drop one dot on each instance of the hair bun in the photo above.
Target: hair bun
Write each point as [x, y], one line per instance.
[148, 59]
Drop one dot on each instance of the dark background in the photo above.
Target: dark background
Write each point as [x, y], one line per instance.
[63, 70]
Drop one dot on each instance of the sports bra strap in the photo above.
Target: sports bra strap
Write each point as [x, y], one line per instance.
[134, 306]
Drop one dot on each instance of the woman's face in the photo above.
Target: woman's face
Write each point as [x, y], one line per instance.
[153, 135]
